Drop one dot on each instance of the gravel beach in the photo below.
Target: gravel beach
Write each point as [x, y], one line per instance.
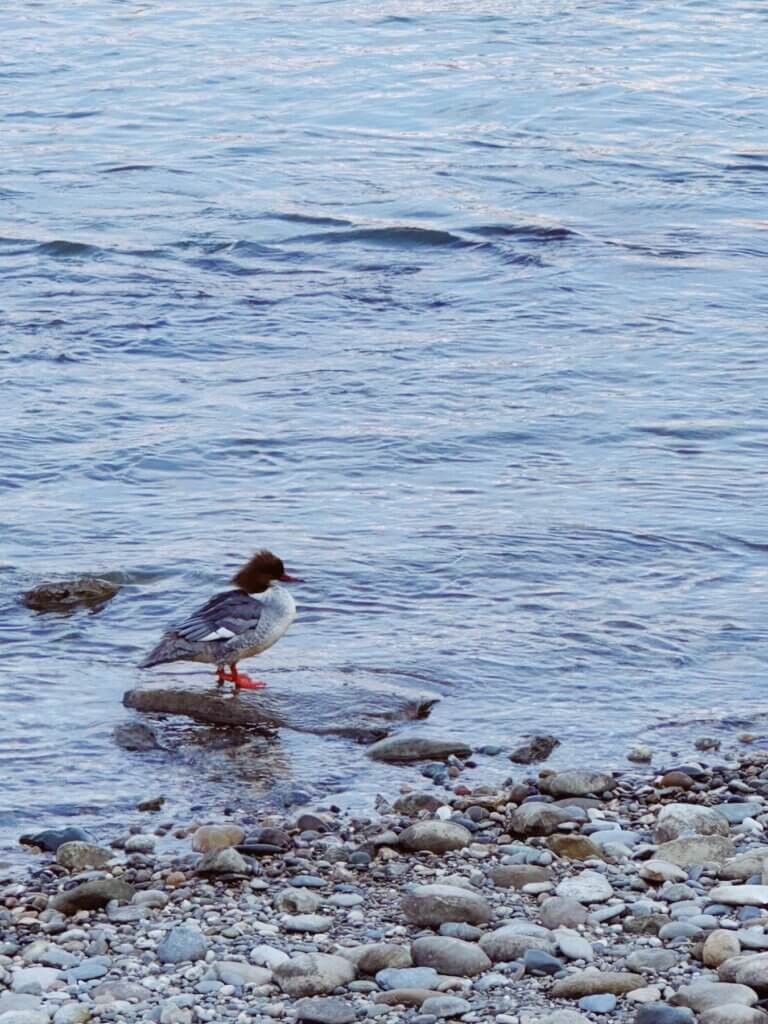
[562, 897]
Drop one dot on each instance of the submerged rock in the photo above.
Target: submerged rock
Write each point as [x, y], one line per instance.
[403, 749]
[135, 736]
[51, 839]
[64, 595]
[354, 711]
[535, 748]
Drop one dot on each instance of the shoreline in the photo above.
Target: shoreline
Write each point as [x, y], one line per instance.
[570, 896]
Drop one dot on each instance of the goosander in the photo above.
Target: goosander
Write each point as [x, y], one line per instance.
[234, 624]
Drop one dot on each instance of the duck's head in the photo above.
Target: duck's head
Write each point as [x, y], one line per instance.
[261, 572]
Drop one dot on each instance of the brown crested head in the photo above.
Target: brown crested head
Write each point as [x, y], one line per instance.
[257, 574]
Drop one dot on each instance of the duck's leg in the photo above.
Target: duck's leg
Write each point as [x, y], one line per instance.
[244, 682]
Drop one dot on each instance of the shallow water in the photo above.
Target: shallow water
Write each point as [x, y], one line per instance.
[458, 307]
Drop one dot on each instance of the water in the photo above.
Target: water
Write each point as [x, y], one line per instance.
[460, 307]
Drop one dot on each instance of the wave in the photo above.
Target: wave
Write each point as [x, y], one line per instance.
[402, 237]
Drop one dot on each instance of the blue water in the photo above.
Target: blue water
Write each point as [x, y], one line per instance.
[459, 307]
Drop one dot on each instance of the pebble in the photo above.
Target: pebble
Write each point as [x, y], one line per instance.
[445, 1006]
[598, 1004]
[182, 943]
[587, 887]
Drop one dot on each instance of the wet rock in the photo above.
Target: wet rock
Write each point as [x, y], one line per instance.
[135, 736]
[313, 974]
[357, 711]
[445, 1006]
[153, 803]
[450, 956]
[586, 887]
[91, 895]
[702, 995]
[592, 982]
[404, 749]
[64, 595]
[435, 836]
[535, 748]
[537, 819]
[412, 803]
[324, 1010]
[208, 838]
[222, 862]
[578, 782]
[51, 839]
[692, 851]
[431, 905]
[640, 754]
[181, 944]
[140, 844]
[677, 820]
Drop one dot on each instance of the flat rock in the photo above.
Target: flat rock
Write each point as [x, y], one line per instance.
[408, 977]
[445, 1006]
[47, 953]
[91, 895]
[325, 1010]
[746, 969]
[677, 820]
[744, 865]
[534, 748]
[313, 974]
[450, 956]
[232, 972]
[537, 819]
[431, 905]
[405, 996]
[592, 982]
[701, 995]
[740, 895]
[119, 991]
[404, 749]
[182, 943]
[515, 876]
[692, 851]
[435, 836]
[578, 782]
[315, 924]
[660, 1013]
[34, 980]
[362, 712]
[64, 595]
[586, 887]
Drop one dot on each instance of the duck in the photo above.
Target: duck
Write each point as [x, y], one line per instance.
[234, 624]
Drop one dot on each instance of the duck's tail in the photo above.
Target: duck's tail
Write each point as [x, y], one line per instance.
[167, 650]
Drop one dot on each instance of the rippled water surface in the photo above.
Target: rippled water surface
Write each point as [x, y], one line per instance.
[460, 307]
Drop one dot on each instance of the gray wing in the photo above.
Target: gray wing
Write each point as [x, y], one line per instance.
[206, 633]
[228, 614]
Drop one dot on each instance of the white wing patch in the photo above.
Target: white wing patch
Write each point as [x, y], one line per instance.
[222, 633]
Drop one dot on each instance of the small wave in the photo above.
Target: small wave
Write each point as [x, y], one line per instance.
[127, 167]
[535, 232]
[400, 237]
[306, 218]
[61, 247]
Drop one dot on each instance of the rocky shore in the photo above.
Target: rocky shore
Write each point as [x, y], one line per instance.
[560, 898]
